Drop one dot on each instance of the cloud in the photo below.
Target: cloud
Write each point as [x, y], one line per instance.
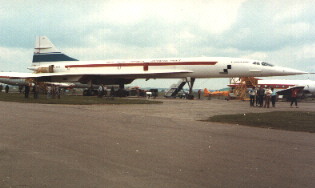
[15, 59]
[207, 15]
[270, 25]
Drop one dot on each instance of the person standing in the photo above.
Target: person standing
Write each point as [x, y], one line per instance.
[20, 89]
[53, 91]
[112, 92]
[294, 93]
[100, 91]
[58, 92]
[35, 92]
[49, 92]
[7, 88]
[199, 93]
[26, 91]
[257, 98]
[105, 91]
[252, 95]
[273, 97]
[261, 94]
[268, 93]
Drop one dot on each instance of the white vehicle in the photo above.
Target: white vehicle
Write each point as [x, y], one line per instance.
[51, 65]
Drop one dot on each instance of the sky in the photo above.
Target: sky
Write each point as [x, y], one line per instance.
[280, 32]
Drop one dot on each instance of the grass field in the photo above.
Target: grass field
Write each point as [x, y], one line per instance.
[75, 100]
[284, 120]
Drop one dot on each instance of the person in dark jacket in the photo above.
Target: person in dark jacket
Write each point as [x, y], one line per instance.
[7, 88]
[261, 95]
[26, 91]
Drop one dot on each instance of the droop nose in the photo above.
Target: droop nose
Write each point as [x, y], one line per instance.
[289, 71]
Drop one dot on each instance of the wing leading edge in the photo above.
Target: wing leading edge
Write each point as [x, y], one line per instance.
[17, 75]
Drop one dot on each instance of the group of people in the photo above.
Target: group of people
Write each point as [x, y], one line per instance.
[29, 88]
[262, 97]
[6, 88]
[102, 91]
[51, 91]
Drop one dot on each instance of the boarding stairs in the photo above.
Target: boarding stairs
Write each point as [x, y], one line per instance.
[174, 89]
[241, 86]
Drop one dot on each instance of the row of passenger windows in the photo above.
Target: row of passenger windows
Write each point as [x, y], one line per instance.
[273, 86]
[263, 64]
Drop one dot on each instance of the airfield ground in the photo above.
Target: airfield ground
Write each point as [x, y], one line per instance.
[149, 145]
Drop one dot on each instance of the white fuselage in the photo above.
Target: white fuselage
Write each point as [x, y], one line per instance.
[202, 67]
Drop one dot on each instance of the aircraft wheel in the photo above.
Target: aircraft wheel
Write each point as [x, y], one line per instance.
[85, 93]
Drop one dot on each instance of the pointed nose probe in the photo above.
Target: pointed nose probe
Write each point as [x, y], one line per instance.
[289, 71]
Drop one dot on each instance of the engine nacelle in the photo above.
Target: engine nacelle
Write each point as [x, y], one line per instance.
[49, 69]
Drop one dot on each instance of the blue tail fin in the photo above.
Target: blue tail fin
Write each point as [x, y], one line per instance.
[45, 51]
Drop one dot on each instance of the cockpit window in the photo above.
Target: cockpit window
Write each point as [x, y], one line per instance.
[263, 64]
[266, 64]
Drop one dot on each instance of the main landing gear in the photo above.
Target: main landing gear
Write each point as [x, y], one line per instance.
[190, 81]
[90, 91]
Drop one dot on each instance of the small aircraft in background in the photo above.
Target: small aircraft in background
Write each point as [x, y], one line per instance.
[23, 82]
[224, 92]
[68, 85]
[14, 82]
[283, 87]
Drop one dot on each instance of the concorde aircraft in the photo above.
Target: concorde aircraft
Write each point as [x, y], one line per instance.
[51, 65]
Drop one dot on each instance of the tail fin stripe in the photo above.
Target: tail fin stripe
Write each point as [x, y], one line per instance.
[52, 57]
